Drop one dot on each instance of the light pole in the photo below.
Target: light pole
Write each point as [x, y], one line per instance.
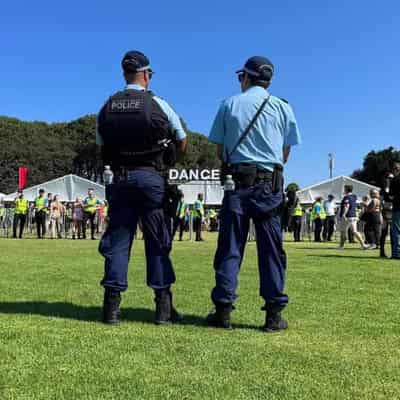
[331, 165]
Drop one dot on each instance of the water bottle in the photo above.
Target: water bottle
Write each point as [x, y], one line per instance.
[229, 185]
[108, 175]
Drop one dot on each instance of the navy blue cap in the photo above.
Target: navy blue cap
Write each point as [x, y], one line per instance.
[135, 61]
[259, 67]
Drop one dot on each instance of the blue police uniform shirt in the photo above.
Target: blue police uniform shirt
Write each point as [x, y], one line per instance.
[173, 118]
[275, 128]
[351, 201]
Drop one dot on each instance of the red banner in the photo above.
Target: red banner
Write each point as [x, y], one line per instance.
[22, 173]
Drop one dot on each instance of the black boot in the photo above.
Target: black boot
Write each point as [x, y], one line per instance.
[221, 317]
[163, 306]
[274, 322]
[111, 312]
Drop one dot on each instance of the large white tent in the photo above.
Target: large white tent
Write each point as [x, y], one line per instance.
[68, 187]
[334, 186]
[212, 191]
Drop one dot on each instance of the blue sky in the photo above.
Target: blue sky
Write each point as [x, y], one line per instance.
[338, 64]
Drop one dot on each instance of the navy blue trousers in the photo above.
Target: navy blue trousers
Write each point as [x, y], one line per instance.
[257, 203]
[142, 197]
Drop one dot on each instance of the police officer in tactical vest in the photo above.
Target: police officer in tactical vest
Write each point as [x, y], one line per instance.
[135, 131]
[254, 132]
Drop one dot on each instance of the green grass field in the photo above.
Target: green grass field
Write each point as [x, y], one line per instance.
[343, 340]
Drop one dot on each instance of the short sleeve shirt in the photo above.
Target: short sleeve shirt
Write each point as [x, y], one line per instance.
[275, 128]
[351, 201]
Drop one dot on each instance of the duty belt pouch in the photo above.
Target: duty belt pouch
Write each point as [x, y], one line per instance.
[245, 175]
[277, 179]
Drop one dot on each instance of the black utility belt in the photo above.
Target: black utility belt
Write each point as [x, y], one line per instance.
[246, 175]
[122, 174]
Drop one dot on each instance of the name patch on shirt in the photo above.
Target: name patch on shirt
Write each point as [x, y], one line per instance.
[126, 105]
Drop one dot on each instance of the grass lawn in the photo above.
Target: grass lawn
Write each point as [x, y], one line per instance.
[343, 340]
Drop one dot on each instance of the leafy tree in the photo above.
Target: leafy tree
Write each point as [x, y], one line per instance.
[376, 164]
[52, 150]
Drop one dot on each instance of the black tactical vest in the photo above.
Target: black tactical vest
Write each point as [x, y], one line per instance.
[134, 130]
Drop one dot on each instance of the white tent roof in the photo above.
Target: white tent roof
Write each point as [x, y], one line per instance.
[212, 191]
[334, 186]
[68, 187]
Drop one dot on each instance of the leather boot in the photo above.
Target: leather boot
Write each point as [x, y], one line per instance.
[111, 312]
[163, 307]
[221, 316]
[274, 322]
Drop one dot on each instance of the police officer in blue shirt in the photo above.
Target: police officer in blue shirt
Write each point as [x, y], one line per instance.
[254, 132]
[135, 131]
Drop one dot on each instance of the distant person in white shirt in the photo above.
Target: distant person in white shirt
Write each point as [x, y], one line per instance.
[329, 223]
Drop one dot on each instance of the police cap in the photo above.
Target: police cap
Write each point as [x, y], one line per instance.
[259, 67]
[135, 61]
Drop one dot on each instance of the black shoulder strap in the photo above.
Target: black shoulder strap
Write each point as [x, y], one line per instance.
[247, 130]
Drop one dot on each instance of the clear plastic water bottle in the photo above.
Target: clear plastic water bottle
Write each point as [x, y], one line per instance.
[229, 185]
[108, 175]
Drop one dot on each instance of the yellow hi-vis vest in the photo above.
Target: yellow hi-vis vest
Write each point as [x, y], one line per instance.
[314, 214]
[298, 211]
[90, 205]
[198, 211]
[21, 206]
[212, 213]
[2, 211]
[40, 203]
[180, 211]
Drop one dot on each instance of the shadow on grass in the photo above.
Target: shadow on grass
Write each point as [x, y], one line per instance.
[377, 258]
[93, 314]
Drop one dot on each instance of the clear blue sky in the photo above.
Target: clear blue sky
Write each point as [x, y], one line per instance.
[337, 62]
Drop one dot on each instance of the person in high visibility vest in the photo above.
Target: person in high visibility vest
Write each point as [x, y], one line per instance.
[297, 215]
[41, 209]
[21, 211]
[198, 214]
[318, 216]
[90, 206]
[329, 223]
[179, 219]
[213, 220]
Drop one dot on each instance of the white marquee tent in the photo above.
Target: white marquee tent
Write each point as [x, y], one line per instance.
[334, 186]
[68, 187]
[212, 191]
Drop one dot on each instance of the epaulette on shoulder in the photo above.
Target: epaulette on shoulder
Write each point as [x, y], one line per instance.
[284, 100]
[152, 94]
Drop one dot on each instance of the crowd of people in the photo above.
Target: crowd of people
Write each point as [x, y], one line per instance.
[368, 222]
[49, 217]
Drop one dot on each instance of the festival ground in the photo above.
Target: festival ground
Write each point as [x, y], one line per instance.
[342, 343]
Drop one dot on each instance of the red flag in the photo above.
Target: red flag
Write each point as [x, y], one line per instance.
[22, 172]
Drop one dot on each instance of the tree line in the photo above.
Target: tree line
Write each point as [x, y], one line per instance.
[51, 150]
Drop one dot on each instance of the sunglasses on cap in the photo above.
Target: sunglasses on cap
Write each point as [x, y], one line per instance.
[149, 70]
